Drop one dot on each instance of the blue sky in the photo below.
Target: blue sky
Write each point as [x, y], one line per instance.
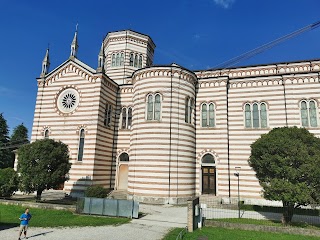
[197, 34]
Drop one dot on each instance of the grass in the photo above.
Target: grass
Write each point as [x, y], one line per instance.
[9, 215]
[297, 211]
[235, 234]
[266, 223]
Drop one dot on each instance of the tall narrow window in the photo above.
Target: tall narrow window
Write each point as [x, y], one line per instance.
[129, 117]
[124, 118]
[304, 114]
[136, 60]
[211, 115]
[113, 60]
[118, 59]
[263, 115]
[140, 61]
[255, 115]
[190, 110]
[204, 116]
[150, 108]
[107, 115]
[186, 115]
[131, 59]
[46, 134]
[313, 114]
[81, 145]
[248, 116]
[157, 107]
[121, 59]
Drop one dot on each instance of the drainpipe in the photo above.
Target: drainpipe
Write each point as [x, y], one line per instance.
[170, 138]
[228, 137]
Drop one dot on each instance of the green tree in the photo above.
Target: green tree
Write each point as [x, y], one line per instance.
[43, 164]
[5, 154]
[286, 162]
[9, 182]
[18, 138]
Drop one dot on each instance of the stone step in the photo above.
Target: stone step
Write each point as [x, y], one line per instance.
[118, 194]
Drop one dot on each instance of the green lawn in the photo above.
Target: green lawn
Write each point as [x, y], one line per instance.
[266, 222]
[213, 233]
[9, 215]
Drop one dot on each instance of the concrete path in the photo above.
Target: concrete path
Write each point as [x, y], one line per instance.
[152, 226]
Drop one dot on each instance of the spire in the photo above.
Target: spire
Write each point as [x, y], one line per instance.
[45, 64]
[74, 44]
[101, 58]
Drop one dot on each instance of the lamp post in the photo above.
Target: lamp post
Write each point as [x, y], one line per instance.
[237, 174]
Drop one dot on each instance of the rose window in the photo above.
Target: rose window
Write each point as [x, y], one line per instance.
[68, 100]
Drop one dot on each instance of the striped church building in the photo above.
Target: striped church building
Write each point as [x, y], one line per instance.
[164, 133]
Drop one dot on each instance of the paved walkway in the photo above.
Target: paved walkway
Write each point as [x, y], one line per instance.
[154, 225]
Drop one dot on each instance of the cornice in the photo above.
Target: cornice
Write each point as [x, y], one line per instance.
[165, 71]
[265, 70]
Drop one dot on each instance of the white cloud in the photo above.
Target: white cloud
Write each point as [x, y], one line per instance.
[224, 3]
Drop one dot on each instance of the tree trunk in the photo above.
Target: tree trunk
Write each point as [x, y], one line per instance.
[39, 192]
[287, 212]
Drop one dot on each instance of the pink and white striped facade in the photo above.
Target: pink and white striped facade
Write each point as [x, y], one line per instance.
[166, 153]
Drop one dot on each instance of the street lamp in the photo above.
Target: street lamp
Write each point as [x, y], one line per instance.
[237, 174]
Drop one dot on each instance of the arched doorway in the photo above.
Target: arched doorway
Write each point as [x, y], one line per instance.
[208, 169]
[123, 171]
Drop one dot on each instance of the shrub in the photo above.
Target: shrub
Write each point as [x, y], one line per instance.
[9, 181]
[96, 191]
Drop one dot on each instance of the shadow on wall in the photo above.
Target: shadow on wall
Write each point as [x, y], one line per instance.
[79, 187]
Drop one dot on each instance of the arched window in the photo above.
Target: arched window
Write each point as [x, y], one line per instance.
[118, 59]
[81, 145]
[124, 118]
[313, 114]
[211, 115]
[121, 59]
[308, 111]
[255, 115]
[190, 110]
[157, 107]
[154, 107]
[136, 60]
[46, 134]
[140, 61]
[248, 115]
[124, 157]
[129, 117]
[263, 115]
[204, 115]
[304, 114]
[150, 107]
[131, 59]
[107, 115]
[208, 158]
[208, 115]
[113, 61]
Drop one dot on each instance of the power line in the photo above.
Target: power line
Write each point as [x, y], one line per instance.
[251, 53]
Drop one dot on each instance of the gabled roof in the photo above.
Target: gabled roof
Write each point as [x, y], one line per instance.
[75, 60]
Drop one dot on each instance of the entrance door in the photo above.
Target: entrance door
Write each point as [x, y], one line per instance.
[123, 177]
[209, 180]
